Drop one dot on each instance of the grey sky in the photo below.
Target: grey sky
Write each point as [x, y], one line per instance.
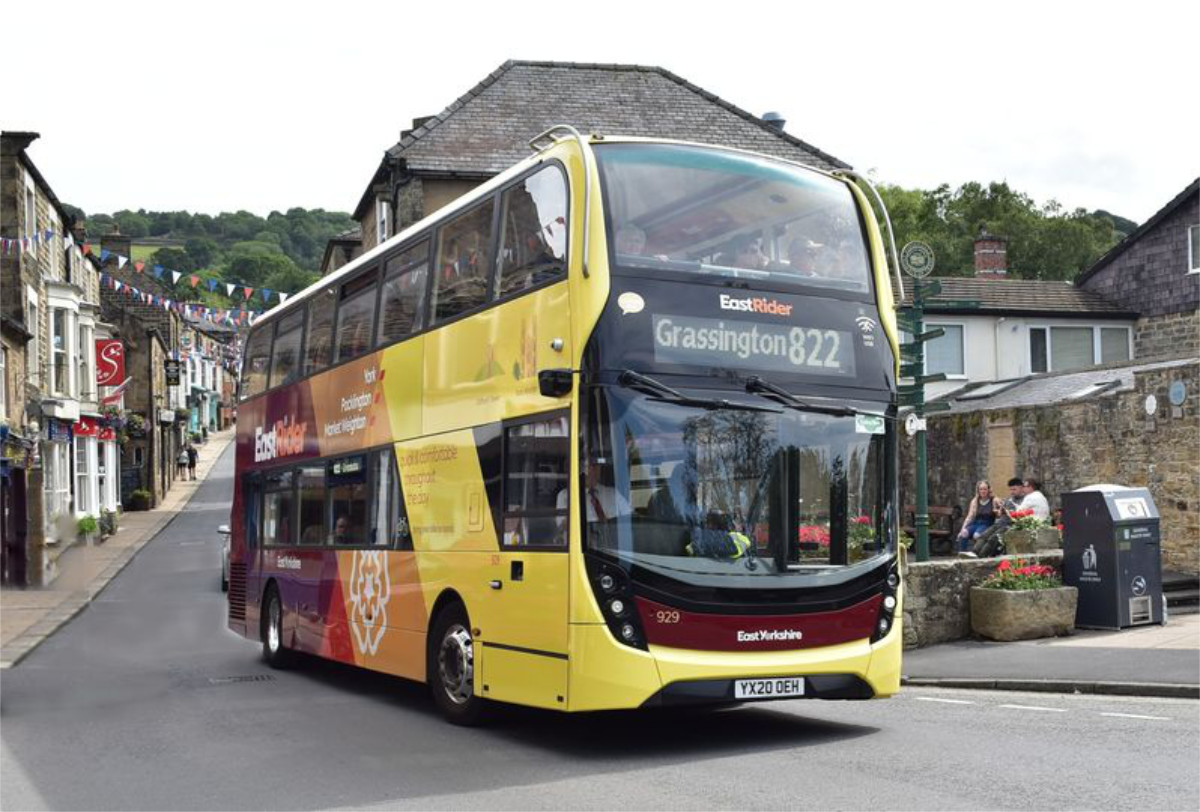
[218, 106]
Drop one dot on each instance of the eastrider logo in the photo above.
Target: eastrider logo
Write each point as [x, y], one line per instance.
[756, 304]
[769, 635]
[284, 439]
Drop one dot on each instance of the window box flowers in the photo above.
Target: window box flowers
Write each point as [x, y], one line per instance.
[1022, 601]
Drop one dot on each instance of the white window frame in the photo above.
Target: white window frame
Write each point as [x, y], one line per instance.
[87, 494]
[1193, 259]
[33, 350]
[1097, 354]
[383, 220]
[962, 325]
[86, 360]
[57, 486]
[3, 382]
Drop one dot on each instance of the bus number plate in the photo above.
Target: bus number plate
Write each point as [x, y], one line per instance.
[768, 688]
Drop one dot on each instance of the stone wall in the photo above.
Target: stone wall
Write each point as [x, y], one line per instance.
[1105, 439]
[937, 596]
[1172, 336]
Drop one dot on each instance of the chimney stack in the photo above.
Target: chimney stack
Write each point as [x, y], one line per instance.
[991, 256]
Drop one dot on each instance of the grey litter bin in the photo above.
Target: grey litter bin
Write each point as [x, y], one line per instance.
[1111, 554]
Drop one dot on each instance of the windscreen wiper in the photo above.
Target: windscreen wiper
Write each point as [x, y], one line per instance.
[660, 391]
[757, 386]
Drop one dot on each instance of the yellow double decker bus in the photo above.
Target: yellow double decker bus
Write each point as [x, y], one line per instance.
[614, 430]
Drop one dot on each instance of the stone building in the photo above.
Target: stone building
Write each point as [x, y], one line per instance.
[488, 129]
[49, 298]
[1156, 272]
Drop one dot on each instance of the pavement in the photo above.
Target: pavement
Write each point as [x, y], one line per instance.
[29, 616]
[1158, 661]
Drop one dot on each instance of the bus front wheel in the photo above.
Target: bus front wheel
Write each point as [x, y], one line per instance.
[451, 667]
[275, 652]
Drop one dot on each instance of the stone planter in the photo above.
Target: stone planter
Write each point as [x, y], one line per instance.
[1048, 538]
[1020, 542]
[1023, 614]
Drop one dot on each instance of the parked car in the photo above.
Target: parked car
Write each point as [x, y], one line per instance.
[223, 532]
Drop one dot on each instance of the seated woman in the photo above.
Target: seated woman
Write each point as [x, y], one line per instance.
[982, 514]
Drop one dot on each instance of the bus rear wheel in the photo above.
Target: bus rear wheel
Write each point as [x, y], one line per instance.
[275, 652]
[451, 668]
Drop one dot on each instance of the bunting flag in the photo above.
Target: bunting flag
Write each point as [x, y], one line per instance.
[248, 292]
[229, 286]
[195, 280]
[121, 261]
[87, 249]
[158, 272]
[138, 266]
[212, 285]
[175, 277]
[266, 294]
[283, 297]
[105, 254]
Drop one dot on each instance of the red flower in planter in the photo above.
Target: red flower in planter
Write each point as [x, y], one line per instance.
[1005, 565]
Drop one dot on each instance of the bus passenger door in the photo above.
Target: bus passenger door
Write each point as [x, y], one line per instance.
[524, 631]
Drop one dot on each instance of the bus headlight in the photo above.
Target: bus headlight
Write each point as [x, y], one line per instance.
[614, 593]
[887, 607]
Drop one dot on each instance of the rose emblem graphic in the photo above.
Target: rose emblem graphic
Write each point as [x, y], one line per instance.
[370, 589]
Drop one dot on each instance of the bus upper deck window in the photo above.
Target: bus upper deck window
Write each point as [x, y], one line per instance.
[401, 310]
[256, 361]
[319, 351]
[356, 316]
[285, 358]
[533, 232]
[463, 262]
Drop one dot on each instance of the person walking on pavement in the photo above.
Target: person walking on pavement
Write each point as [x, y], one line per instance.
[181, 463]
[192, 454]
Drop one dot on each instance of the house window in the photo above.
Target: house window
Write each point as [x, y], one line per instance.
[383, 216]
[1057, 349]
[1193, 249]
[83, 475]
[60, 321]
[945, 354]
[87, 363]
[30, 218]
[33, 350]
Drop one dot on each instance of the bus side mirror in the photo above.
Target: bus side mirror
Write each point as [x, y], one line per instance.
[554, 383]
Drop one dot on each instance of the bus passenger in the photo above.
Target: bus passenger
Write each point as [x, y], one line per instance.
[630, 240]
[802, 257]
[601, 502]
[341, 531]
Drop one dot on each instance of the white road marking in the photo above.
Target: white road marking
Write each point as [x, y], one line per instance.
[1138, 716]
[1034, 708]
[947, 701]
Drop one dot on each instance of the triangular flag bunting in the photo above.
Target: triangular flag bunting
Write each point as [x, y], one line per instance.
[283, 297]
[87, 249]
[249, 292]
[121, 261]
[105, 254]
[229, 288]
[175, 277]
[138, 266]
[158, 271]
[195, 280]
[266, 292]
[212, 285]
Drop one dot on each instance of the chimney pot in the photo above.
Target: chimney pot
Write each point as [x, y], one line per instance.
[775, 120]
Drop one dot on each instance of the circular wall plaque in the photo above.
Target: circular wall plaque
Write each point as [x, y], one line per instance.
[1151, 404]
[916, 258]
[1177, 393]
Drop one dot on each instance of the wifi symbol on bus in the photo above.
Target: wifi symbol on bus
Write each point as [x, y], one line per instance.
[866, 324]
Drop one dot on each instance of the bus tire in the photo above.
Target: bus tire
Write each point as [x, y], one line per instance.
[275, 652]
[450, 667]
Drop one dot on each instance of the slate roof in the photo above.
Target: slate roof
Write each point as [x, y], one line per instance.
[1054, 387]
[1019, 297]
[1188, 193]
[488, 129]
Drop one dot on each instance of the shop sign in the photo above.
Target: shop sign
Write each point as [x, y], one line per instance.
[107, 435]
[57, 431]
[166, 415]
[173, 371]
[86, 427]
[110, 361]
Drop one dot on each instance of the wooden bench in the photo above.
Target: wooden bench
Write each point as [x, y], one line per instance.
[944, 525]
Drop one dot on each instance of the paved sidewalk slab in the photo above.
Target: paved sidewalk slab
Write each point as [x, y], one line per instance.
[29, 616]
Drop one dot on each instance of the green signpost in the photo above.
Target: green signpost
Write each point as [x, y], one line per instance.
[917, 260]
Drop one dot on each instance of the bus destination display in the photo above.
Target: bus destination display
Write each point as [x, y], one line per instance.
[752, 345]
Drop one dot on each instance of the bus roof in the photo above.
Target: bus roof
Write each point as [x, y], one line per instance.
[483, 190]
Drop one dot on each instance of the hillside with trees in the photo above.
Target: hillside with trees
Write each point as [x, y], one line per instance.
[1044, 241]
[281, 251]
